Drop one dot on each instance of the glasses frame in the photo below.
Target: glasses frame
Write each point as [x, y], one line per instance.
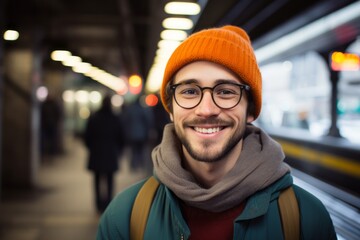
[241, 86]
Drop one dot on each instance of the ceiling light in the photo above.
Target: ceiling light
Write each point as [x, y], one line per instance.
[168, 44]
[161, 59]
[154, 78]
[11, 35]
[182, 8]
[71, 61]
[177, 23]
[164, 51]
[178, 35]
[60, 55]
[82, 67]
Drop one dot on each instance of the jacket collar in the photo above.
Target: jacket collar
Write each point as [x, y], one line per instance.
[258, 204]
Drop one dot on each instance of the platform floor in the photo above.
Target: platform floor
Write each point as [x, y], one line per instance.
[61, 206]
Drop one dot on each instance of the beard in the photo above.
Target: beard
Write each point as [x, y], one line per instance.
[210, 151]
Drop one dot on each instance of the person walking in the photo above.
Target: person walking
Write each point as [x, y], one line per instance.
[138, 123]
[104, 141]
[220, 177]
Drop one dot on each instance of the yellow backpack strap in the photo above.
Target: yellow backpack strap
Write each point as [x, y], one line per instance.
[290, 216]
[141, 208]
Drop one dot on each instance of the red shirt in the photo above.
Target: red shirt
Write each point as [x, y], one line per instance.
[209, 225]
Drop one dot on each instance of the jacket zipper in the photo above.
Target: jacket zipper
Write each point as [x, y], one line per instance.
[182, 236]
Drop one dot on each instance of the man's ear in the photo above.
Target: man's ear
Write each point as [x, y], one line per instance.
[171, 117]
[250, 118]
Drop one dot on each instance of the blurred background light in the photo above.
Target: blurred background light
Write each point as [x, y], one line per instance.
[42, 93]
[71, 61]
[82, 96]
[151, 100]
[177, 35]
[60, 55]
[95, 97]
[11, 35]
[68, 96]
[117, 100]
[84, 112]
[182, 8]
[178, 23]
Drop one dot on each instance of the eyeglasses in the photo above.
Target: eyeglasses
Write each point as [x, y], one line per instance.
[224, 95]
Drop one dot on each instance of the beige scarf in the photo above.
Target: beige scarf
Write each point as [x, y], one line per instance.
[259, 165]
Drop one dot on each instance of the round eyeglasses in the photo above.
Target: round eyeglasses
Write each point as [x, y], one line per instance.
[224, 95]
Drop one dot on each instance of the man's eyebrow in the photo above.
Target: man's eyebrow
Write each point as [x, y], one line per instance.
[218, 81]
[187, 81]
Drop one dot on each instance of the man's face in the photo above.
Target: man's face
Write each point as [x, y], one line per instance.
[207, 132]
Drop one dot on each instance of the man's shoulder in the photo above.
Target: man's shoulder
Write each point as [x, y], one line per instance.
[314, 216]
[114, 222]
[307, 200]
[124, 200]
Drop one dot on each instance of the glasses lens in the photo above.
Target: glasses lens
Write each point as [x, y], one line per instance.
[187, 95]
[227, 95]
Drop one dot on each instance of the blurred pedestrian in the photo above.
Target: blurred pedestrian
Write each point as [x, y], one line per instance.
[104, 140]
[161, 118]
[138, 124]
[51, 117]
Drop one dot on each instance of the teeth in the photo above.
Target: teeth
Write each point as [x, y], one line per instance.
[207, 130]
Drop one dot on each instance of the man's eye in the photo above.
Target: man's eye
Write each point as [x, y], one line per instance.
[190, 91]
[225, 92]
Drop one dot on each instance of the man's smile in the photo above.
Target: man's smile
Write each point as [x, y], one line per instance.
[207, 130]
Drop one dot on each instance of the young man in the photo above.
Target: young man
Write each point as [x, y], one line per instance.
[220, 176]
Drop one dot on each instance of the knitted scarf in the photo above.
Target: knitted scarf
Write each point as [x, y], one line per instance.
[259, 165]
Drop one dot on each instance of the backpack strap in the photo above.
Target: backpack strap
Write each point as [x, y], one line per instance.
[289, 212]
[141, 208]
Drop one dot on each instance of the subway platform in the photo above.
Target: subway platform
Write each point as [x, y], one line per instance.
[61, 205]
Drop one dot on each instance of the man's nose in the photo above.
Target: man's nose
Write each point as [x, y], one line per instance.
[207, 106]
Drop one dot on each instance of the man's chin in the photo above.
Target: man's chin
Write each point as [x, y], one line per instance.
[207, 155]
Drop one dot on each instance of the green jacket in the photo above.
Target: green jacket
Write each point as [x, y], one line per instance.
[259, 220]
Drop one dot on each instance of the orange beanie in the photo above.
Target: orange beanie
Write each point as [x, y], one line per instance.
[229, 46]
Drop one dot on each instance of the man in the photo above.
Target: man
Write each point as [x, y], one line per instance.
[104, 141]
[220, 176]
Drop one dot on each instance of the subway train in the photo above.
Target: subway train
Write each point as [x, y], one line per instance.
[330, 159]
[310, 104]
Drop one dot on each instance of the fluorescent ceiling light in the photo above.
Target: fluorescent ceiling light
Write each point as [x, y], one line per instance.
[177, 23]
[164, 52]
[182, 8]
[168, 44]
[154, 79]
[178, 35]
[71, 61]
[11, 35]
[60, 55]
[82, 67]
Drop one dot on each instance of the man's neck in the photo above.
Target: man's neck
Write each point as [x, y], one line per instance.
[209, 173]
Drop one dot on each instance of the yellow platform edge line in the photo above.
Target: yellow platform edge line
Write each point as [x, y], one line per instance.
[337, 163]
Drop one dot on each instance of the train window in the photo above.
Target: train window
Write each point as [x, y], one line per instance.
[349, 100]
[296, 94]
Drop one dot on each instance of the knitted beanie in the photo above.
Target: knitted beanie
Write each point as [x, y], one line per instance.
[229, 46]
